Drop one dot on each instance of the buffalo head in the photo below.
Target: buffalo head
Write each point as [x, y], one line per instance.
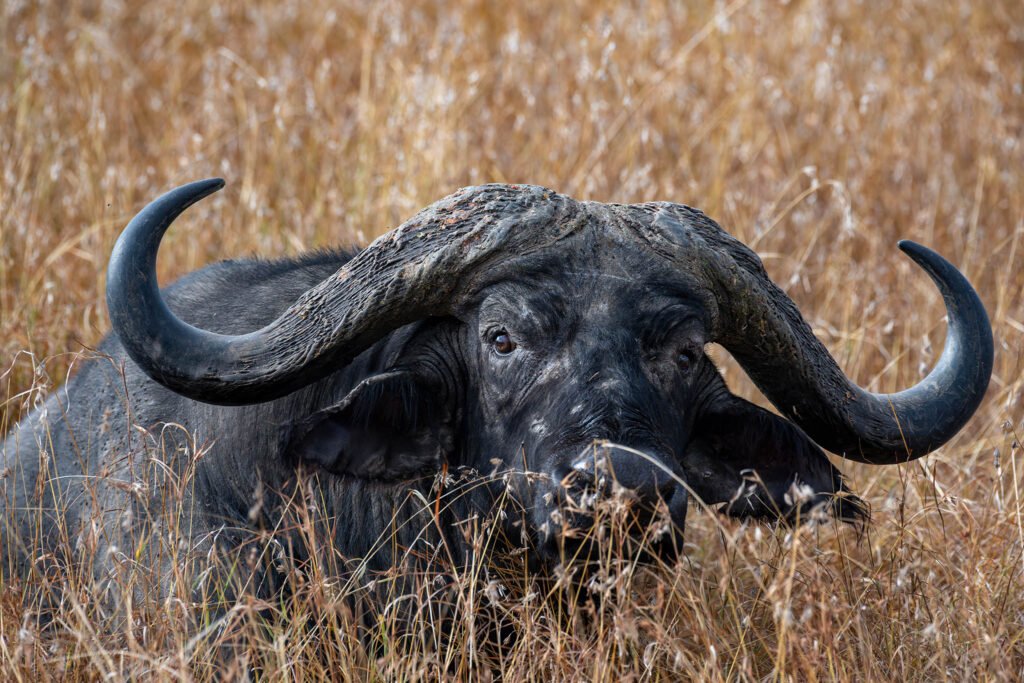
[565, 339]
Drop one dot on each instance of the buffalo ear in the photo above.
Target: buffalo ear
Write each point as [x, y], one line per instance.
[761, 465]
[391, 426]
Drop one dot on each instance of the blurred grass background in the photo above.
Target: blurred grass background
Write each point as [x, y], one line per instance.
[817, 132]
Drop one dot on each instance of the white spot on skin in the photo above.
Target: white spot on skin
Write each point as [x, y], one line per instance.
[539, 427]
[611, 385]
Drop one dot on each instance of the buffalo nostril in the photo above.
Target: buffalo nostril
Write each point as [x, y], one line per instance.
[592, 473]
[605, 466]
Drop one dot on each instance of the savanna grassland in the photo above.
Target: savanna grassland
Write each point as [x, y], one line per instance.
[817, 132]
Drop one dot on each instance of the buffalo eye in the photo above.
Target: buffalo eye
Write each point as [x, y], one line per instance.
[502, 343]
[685, 361]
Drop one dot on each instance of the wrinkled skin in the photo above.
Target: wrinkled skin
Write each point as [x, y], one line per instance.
[603, 354]
[556, 355]
[606, 346]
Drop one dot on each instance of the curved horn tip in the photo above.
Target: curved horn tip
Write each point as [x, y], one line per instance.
[920, 254]
[172, 203]
[947, 276]
[913, 249]
[203, 188]
[186, 195]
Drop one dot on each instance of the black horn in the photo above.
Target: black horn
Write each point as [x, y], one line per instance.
[417, 270]
[763, 329]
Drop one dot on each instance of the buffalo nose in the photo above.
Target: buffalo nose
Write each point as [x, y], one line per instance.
[601, 466]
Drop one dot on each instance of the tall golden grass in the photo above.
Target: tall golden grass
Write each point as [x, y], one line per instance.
[817, 132]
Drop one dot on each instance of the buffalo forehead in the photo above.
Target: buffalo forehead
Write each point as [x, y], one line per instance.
[575, 282]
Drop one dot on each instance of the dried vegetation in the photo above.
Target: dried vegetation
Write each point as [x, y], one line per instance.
[817, 132]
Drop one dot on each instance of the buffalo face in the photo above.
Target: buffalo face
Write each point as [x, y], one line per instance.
[588, 370]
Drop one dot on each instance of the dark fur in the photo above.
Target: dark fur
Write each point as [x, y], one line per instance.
[599, 334]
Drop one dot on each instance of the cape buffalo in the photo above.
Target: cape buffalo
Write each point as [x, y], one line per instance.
[554, 346]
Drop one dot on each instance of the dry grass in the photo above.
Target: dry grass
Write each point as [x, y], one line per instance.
[817, 132]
